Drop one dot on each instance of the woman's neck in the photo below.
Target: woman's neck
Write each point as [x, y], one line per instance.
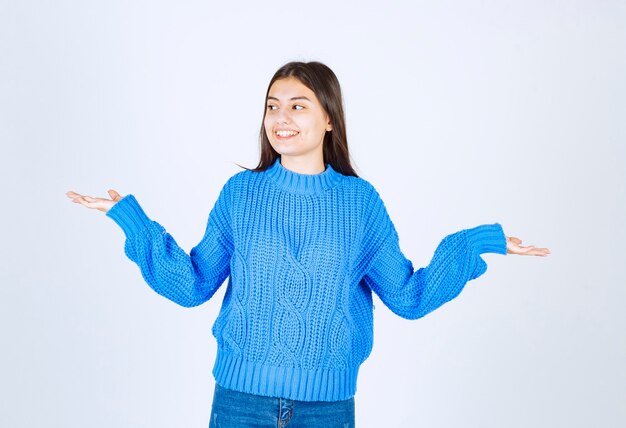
[303, 165]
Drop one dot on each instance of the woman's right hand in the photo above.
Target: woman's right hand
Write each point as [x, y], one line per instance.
[101, 204]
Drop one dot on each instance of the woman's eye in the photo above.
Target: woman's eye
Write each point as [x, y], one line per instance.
[298, 107]
[271, 107]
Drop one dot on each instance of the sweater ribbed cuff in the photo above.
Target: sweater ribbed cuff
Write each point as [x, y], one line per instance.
[129, 215]
[487, 238]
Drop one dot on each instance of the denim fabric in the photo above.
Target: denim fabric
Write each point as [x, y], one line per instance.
[241, 410]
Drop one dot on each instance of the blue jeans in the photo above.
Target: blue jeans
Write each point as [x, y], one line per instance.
[241, 410]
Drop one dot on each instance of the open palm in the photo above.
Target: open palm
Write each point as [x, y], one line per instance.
[513, 246]
[100, 204]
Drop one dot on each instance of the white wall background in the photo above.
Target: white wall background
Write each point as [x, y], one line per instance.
[460, 113]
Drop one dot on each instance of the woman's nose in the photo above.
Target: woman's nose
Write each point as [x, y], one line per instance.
[283, 116]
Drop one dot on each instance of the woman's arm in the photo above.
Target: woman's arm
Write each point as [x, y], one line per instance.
[412, 294]
[187, 279]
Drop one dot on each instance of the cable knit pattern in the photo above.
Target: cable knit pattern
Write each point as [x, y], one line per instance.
[302, 254]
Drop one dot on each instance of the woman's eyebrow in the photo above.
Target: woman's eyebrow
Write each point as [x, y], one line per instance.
[291, 99]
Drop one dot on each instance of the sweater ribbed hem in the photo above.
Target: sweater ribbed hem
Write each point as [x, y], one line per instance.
[285, 382]
[129, 215]
[487, 238]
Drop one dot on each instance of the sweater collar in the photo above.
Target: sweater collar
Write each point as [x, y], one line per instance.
[303, 183]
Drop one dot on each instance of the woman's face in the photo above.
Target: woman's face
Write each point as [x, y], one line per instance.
[295, 122]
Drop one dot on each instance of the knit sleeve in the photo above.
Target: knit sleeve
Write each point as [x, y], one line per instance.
[186, 279]
[413, 293]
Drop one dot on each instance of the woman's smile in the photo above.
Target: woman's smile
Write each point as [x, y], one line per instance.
[285, 134]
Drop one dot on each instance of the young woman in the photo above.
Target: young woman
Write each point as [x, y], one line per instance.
[304, 241]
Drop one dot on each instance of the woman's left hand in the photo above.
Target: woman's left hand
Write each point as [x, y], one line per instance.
[513, 246]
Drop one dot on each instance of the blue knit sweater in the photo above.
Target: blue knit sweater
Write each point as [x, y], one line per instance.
[302, 254]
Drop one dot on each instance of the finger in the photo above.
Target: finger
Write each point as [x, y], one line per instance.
[543, 252]
[524, 251]
[530, 250]
[73, 195]
[114, 195]
[514, 239]
[76, 197]
[81, 200]
[88, 201]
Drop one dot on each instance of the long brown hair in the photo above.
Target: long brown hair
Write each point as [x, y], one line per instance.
[324, 83]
